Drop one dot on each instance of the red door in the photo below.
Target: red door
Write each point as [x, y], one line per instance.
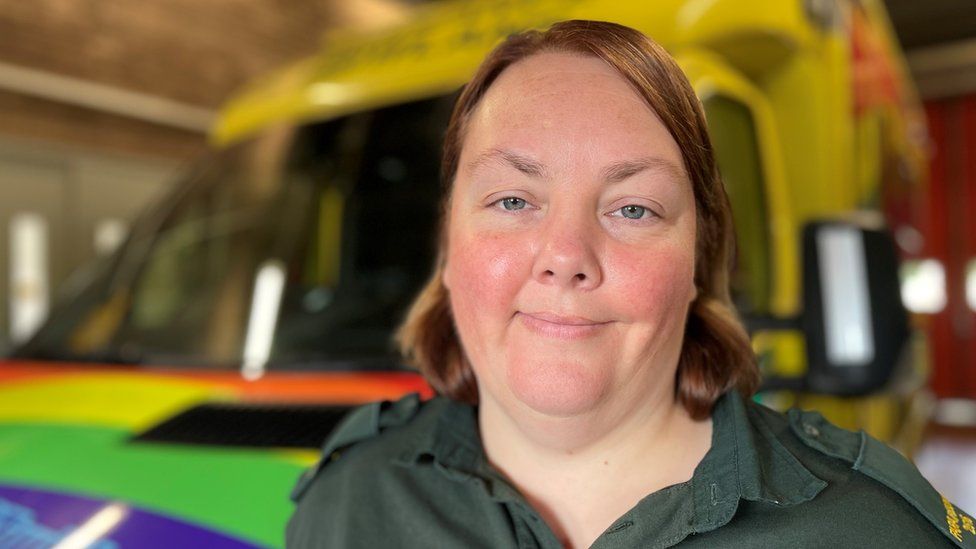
[948, 225]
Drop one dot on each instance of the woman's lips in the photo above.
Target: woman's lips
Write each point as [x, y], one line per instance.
[560, 327]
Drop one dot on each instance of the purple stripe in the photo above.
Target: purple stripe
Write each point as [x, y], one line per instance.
[31, 515]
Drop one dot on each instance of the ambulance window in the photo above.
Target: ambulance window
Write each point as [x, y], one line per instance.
[736, 146]
[370, 241]
[333, 223]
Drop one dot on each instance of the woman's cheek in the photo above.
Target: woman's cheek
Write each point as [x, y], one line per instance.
[651, 285]
[487, 264]
[486, 273]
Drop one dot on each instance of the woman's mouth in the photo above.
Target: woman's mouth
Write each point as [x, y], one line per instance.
[559, 326]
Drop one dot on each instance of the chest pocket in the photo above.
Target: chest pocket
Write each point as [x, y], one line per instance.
[362, 423]
[877, 460]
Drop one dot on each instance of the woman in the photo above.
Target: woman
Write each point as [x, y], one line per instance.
[580, 332]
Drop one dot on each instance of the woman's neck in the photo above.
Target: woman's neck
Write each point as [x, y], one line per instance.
[582, 473]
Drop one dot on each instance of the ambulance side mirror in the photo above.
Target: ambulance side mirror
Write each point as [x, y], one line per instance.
[855, 324]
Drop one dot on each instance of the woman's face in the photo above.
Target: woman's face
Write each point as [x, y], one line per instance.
[571, 241]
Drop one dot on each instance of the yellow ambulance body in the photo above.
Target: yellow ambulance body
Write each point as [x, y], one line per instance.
[809, 103]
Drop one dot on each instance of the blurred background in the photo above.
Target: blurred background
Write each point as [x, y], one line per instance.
[107, 109]
[102, 105]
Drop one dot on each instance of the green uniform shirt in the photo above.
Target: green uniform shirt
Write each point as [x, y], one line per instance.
[414, 474]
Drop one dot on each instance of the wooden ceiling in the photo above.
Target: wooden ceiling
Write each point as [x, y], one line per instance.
[186, 50]
[188, 53]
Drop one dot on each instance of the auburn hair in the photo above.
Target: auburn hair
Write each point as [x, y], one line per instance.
[716, 355]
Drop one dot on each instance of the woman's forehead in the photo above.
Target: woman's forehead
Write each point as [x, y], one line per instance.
[543, 67]
[570, 104]
[561, 77]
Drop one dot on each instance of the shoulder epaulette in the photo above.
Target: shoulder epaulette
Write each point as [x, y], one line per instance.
[880, 462]
[361, 423]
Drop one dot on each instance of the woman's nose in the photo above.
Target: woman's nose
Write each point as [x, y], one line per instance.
[567, 256]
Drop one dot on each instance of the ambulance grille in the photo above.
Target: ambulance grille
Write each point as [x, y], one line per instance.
[248, 425]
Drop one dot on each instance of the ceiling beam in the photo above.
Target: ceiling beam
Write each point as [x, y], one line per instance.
[945, 70]
[99, 97]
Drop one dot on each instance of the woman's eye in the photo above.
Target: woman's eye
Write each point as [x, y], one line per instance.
[633, 211]
[512, 203]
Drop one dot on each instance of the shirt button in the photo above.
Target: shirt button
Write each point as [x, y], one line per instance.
[811, 430]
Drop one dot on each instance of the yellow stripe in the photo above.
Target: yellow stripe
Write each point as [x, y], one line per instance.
[131, 401]
[304, 458]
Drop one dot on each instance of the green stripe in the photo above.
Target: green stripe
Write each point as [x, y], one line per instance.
[243, 493]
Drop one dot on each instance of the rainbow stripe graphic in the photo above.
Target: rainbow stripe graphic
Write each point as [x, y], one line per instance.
[66, 453]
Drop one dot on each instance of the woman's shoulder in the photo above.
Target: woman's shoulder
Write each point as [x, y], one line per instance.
[371, 436]
[371, 480]
[869, 485]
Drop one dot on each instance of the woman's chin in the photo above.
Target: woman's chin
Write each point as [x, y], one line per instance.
[558, 389]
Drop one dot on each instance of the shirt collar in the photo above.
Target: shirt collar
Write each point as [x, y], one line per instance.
[452, 443]
[746, 460]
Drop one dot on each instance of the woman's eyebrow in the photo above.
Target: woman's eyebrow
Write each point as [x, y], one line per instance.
[613, 173]
[524, 164]
[619, 171]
